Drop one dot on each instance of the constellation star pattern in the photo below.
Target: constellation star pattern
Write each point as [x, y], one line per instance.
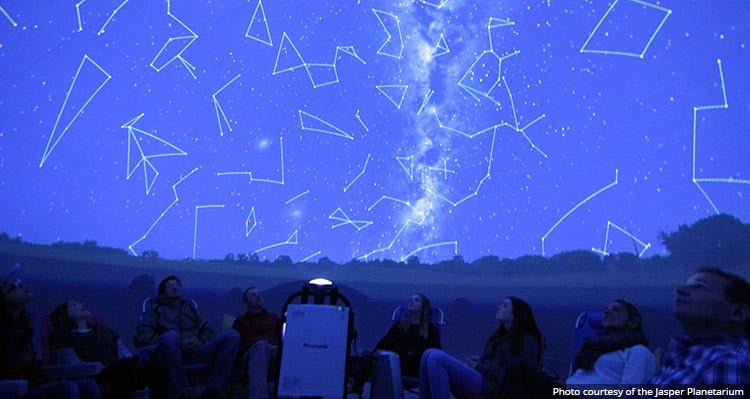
[55, 137]
[385, 131]
[586, 47]
[141, 141]
[698, 180]
[636, 241]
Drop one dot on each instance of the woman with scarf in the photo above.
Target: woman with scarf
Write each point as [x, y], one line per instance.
[618, 355]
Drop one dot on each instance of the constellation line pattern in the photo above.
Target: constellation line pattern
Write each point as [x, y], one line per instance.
[267, 40]
[7, 15]
[220, 111]
[635, 239]
[188, 39]
[53, 141]
[578, 205]
[364, 168]
[381, 15]
[135, 138]
[262, 180]
[667, 13]
[292, 240]
[341, 216]
[698, 180]
[250, 222]
[164, 212]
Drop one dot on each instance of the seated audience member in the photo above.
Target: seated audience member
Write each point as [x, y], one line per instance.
[75, 340]
[181, 335]
[713, 307]
[619, 354]
[412, 335]
[259, 341]
[17, 357]
[516, 342]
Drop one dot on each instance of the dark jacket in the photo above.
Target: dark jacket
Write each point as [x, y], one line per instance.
[16, 346]
[99, 344]
[409, 345]
[182, 317]
[497, 357]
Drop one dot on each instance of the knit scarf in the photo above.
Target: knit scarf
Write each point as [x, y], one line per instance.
[608, 341]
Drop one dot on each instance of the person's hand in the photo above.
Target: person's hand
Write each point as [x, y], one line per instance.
[472, 361]
[190, 346]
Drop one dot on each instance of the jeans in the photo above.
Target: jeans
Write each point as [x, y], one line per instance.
[219, 353]
[81, 389]
[440, 374]
[257, 359]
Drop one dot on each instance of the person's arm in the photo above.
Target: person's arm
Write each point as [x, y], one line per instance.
[65, 356]
[640, 365]
[146, 333]
[433, 337]
[205, 331]
[237, 326]
[388, 342]
[122, 351]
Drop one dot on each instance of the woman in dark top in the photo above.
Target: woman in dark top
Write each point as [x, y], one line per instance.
[75, 340]
[412, 335]
[517, 341]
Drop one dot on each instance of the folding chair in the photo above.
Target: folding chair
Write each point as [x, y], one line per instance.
[315, 343]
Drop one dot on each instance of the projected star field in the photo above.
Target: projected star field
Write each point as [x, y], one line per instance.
[348, 129]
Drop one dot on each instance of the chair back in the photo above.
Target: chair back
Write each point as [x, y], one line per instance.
[437, 316]
[588, 324]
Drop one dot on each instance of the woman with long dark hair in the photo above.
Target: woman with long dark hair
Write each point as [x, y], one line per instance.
[516, 341]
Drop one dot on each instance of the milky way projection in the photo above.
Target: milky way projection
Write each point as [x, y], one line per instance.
[371, 129]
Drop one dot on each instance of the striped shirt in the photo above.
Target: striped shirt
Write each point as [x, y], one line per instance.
[720, 360]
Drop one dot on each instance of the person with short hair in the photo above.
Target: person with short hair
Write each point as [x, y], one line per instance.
[181, 335]
[713, 307]
[259, 332]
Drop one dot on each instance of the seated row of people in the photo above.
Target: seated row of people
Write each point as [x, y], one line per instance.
[713, 307]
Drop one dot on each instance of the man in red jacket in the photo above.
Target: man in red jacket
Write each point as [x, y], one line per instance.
[259, 340]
